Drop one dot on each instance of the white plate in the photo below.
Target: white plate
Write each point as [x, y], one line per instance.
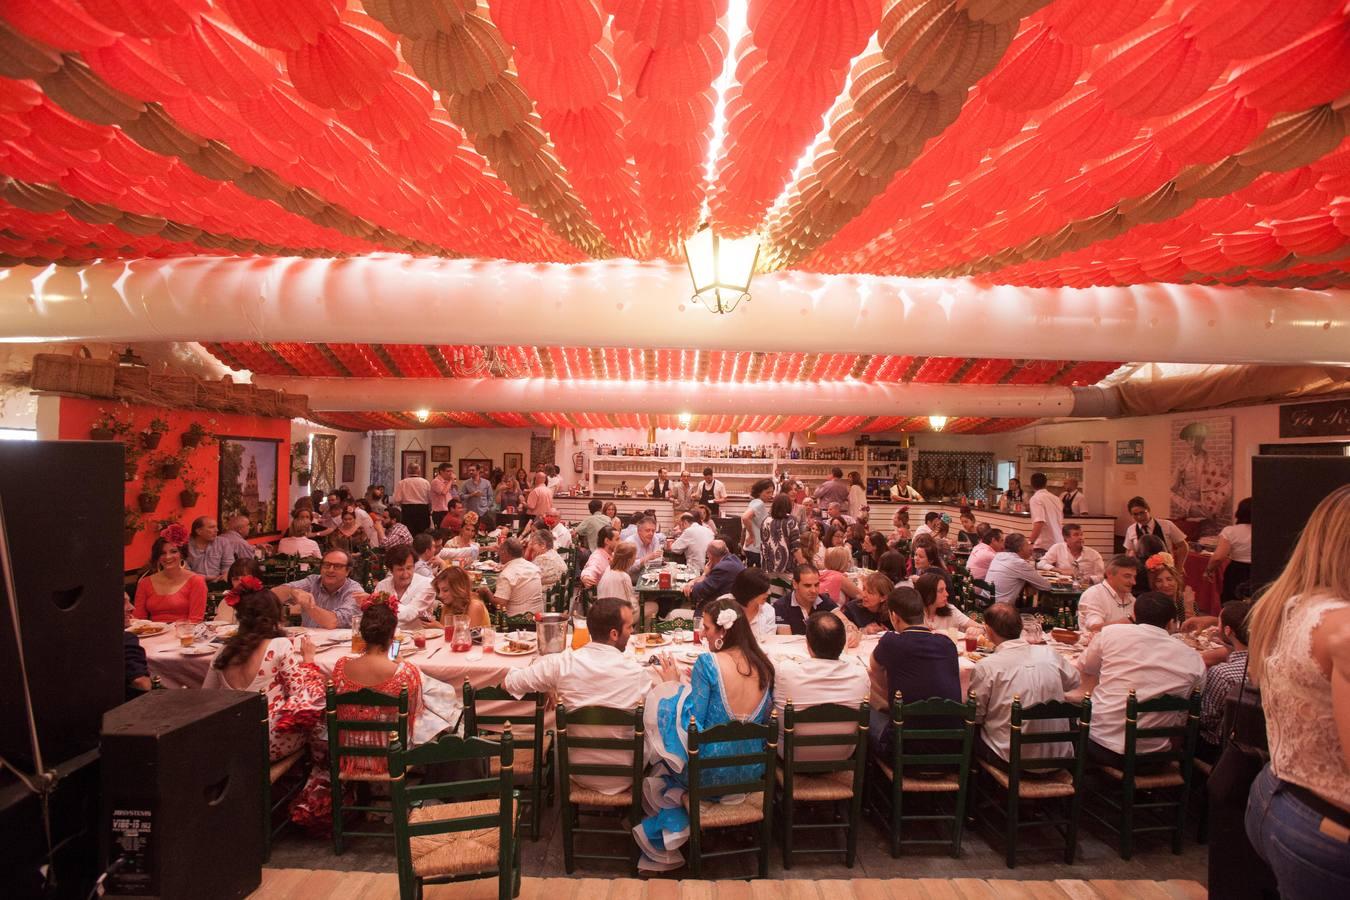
[295, 630]
[647, 645]
[688, 656]
[197, 650]
[144, 628]
[501, 650]
[339, 634]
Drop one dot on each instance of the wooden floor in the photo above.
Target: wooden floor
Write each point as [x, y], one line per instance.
[285, 884]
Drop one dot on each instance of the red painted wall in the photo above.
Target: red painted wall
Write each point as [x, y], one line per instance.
[78, 415]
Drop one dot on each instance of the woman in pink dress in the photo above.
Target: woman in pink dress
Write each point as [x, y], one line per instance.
[170, 592]
[374, 670]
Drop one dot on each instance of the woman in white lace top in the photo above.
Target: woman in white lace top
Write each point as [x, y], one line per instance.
[1298, 814]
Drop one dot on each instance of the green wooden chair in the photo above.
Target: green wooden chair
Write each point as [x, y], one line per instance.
[823, 781]
[1064, 784]
[921, 725]
[1178, 766]
[534, 749]
[719, 815]
[371, 740]
[982, 593]
[460, 830]
[628, 763]
[284, 780]
[555, 599]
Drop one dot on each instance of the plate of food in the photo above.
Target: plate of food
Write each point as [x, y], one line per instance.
[651, 640]
[511, 647]
[198, 650]
[224, 630]
[146, 628]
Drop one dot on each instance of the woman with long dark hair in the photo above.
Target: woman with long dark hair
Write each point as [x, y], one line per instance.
[169, 591]
[733, 683]
[260, 657]
[938, 613]
[780, 537]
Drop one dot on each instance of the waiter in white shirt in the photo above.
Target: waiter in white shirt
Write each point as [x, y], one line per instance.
[1144, 523]
[1073, 556]
[1072, 499]
[1046, 520]
[599, 674]
[413, 495]
[1111, 601]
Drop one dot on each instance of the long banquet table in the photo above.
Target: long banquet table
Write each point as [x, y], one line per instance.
[438, 663]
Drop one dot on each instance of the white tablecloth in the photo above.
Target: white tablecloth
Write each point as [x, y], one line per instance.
[444, 672]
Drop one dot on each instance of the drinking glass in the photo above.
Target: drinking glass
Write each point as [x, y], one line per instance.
[489, 640]
[358, 642]
[185, 632]
[581, 636]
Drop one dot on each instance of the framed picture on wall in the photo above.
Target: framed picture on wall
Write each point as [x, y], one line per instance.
[512, 461]
[484, 466]
[440, 453]
[348, 468]
[247, 482]
[410, 458]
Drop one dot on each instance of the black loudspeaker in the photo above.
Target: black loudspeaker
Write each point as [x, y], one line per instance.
[63, 520]
[182, 779]
[1285, 491]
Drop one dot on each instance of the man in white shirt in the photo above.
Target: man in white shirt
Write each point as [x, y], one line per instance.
[562, 535]
[1072, 556]
[984, 552]
[413, 495]
[415, 593]
[367, 522]
[1145, 658]
[824, 678]
[1072, 500]
[554, 480]
[929, 523]
[598, 562]
[599, 674]
[539, 550]
[1111, 601]
[752, 520]
[1011, 570]
[424, 549]
[1033, 673]
[1046, 514]
[1144, 523]
[520, 588]
[650, 543]
[693, 541]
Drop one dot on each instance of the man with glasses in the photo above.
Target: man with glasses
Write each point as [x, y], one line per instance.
[326, 600]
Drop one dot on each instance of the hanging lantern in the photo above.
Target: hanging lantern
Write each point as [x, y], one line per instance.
[685, 419]
[810, 438]
[721, 268]
[651, 434]
[735, 437]
[423, 415]
[937, 422]
[555, 434]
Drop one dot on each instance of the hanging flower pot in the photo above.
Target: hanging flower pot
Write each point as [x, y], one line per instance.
[150, 439]
[191, 440]
[101, 434]
[128, 535]
[169, 469]
[147, 502]
[302, 478]
[188, 499]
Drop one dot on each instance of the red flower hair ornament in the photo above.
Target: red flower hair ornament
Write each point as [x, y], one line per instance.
[381, 598]
[249, 584]
[174, 534]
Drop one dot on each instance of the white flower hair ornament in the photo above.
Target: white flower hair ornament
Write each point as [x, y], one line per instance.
[726, 618]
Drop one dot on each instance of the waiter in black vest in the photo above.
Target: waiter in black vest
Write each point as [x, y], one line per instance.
[1074, 504]
[1163, 529]
[711, 492]
[658, 487]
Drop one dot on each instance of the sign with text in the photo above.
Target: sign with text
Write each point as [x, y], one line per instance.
[1328, 418]
[1130, 453]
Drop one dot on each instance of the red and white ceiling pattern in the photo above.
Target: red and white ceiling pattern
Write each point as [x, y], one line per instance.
[1025, 142]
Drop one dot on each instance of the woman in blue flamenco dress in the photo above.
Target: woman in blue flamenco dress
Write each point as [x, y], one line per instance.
[732, 683]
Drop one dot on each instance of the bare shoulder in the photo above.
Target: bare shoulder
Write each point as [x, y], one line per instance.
[1331, 638]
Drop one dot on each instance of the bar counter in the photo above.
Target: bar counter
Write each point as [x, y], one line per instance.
[1098, 531]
